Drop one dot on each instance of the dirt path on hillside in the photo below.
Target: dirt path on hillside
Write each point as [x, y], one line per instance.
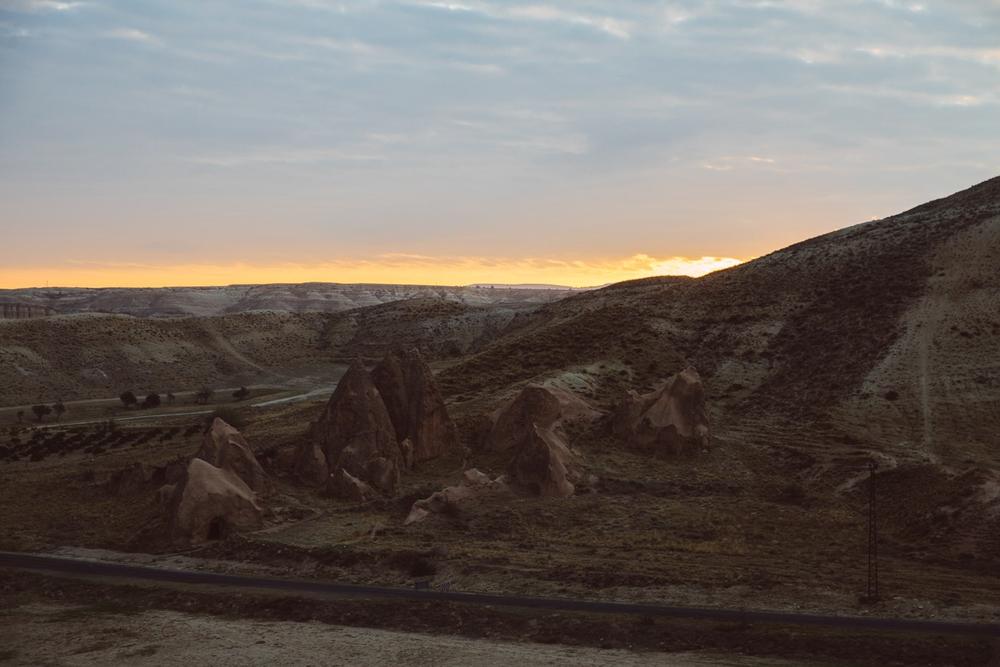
[226, 346]
[937, 307]
[930, 320]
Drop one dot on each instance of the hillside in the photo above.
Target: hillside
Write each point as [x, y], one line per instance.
[304, 297]
[876, 342]
[886, 332]
[85, 356]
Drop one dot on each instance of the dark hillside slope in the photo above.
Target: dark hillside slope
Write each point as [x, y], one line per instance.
[831, 328]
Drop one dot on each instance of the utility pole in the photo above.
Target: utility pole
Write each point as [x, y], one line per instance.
[872, 590]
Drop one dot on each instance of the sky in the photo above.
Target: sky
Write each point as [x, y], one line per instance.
[155, 142]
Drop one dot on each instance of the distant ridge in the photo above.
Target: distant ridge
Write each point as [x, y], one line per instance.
[280, 297]
[540, 286]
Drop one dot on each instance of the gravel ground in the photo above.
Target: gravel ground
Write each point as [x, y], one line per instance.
[48, 634]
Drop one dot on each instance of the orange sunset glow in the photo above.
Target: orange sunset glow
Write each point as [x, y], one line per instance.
[397, 269]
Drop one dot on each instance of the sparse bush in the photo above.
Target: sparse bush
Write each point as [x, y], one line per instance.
[152, 400]
[128, 398]
[40, 411]
[241, 393]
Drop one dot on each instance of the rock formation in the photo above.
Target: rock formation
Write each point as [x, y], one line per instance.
[21, 311]
[534, 406]
[310, 464]
[474, 484]
[543, 464]
[225, 447]
[355, 433]
[414, 403]
[530, 427]
[672, 419]
[343, 484]
[209, 502]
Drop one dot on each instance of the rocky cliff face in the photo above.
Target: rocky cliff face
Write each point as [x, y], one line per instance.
[415, 405]
[356, 434]
[304, 297]
[21, 311]
[225, 447]
[671, 420]
[209, 503]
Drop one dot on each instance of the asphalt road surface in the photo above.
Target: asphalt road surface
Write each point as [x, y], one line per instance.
[81, 567]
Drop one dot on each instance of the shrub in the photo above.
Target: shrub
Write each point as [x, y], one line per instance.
[128, 398]
[152, 400]
[40, 411]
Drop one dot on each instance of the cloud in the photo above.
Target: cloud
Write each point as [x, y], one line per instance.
[730, 162]
[548, 13]
[353, 46]
[285, 156]
[468, 126]
[983, 56]
[489, 69]
[132, 35]
[40, 5]
[611, 26]
[919, 97]
[551, 145]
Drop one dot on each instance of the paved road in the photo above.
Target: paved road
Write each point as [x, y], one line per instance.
[321, 392]
[82, 567]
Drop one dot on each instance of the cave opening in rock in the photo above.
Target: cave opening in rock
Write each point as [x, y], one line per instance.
[217, 529]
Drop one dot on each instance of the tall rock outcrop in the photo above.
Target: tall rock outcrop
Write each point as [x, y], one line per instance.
[415, 404]
[534, 406]
[208, 503]
[530, 427]
[355, 433]
[474, 484]
[225, 447]
[543, 464]
[672, 419]
[310, 463]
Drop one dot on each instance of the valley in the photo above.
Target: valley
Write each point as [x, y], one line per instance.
[874, 343]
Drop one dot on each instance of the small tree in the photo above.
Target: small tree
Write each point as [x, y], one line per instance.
[241, 393]
[204, 395]
[59, 409]
[20, 416]
[128, 398]
[170, 397]
[152, 400]
[40, 411]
